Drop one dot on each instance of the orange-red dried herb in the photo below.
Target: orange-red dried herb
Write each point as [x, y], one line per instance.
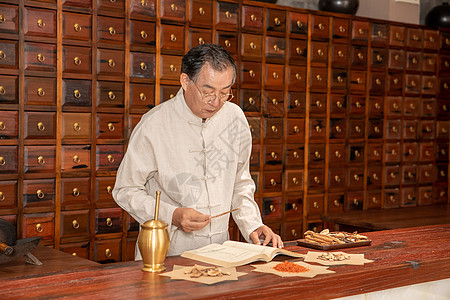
[290, 267]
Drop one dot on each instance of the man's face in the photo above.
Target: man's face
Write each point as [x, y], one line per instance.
[209, 83]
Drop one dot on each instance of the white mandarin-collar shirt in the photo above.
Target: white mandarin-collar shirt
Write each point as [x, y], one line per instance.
[202, 165]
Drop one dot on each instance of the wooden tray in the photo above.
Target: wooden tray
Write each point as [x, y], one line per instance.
[304, 243]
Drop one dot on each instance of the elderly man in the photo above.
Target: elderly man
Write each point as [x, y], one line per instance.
[195, 149]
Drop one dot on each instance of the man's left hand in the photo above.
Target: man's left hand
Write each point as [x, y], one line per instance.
[268, 235]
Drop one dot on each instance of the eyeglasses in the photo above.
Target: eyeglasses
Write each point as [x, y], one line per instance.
[210, 97]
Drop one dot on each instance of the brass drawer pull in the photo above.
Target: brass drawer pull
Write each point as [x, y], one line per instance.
[75, 192]
[359, 80]
[251, 100]
[252, 45]
[227, 43]
[253, 18]
[41, 57]
[428, 129]
[337, 154]
[374, 200]
[76, 159]
[2, 19]
[2, 161]
[427, 174]
[412, 129]
[275, 75]
[430, 84]
[40, 194]
[394, 129]
[318, 129]
[320, 52]
[76, 127]
[337, 179]
[173, 7]
[379, 58]
[412, 106]
[2, 90]
[398, 37]
[111, 63]
[317, 154]
[442, 194]
[427, 153]
[360, 56]
[273, 182]
[173, 38]
[316, 180]
[380, 33]
[299, 24]
[410, 175]
[392, 199]
[108, 253]
[272, 208]
[429, 107]
[41, 160]
[294, 206]
[227, 14]
[77, 94]
[415, 37]
[315, 204]
[336, 203]
[143, 66]
[338, 128]
[357, 153]
[274, 129]
[376, 153]
[2, 54]
[340, 53]
[358, 104]
[375, 176]
[410, 197]
[274, 155]
[41, 23]
[340, 79]
[40, 126]
[298, 76]
[111, 127]
[443, 152]
[395, 106]
[295, 180]
[276, 48]
[277, 21]
[201, 41]
[77, 27]
[252, 73]
[293, 232]
[142, 97]
[109, 222]
[274, 101]
[393, 176]
[111, 95]
[144, 34]
[110, 158]
[356, 177]
[319, 78]
[143, 3]
[295, 155]
[39, 228]
[378, 81]
[355, 202]
[414, 61]
[342, 29]
[393, 152]
[376, 129]
[173, 68]
[112, 31]
[75, 224]
[41, 92]
[296, 129]
[357, 129]
[321, 26]
[77, 61]
[297, 103]
[2, 197]
[427, 195]
[395, 81]
[442, 173]
[413, 83]
[109, 189]
[112, 1]
[339, 104]
[360, 31]
[201, 11]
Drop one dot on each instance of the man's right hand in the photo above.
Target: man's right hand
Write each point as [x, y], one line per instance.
[188, 219]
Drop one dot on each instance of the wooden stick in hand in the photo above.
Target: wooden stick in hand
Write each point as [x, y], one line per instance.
[227, 212]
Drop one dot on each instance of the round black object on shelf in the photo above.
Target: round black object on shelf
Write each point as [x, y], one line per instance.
[339, 6]
[439, 16]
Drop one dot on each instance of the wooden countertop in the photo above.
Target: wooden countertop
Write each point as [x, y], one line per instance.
[402, 257]
[393, 218]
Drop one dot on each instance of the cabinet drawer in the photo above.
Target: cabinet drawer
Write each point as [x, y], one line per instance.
[143, 9]
[317, 129]
[276, 20]
[250, 100]
[76, 60]
[110, 30]
[414, 38]
[428, 108]
[429, 62]
[427, 129]
[142, 65]
[409, 174]
[355, 178]
[168, 92]
[413, 61]
[229, 41]
[338, 129]
[442, 129]
[411, 107]
[273, 156]
[338, 104]
[396, 36]
[76, 158]
[255, 127]
[40, 91]
[77, 93]
[298, 52]
[395, 84]
[354, 200]
[318, 79]
[444, 65]
[10, 21]
[339, 55]
[173, 10]
[358, 57]
[315, 205]
[293, 231]
[409, 197]
[8, 194]
[110, 126]
[200, 12]
[394, 107]
[75, 193]
[252, 18]
[108, 220]
[378, 56]
[143, 34]
[374, 176]
[103, 191]
[9, 89]
[76, 125]
[75, 223]
[426, 152]
[374, 152]
[441, 173]
[110, 62]
[316, 178]
[357, 106]
[271, 208]
[77, 26]
[375, 129]
[172, 37]
[295, 154]
[431, 39]
[410, 129]
[275, 48]
[339, 80]
[319, 27]
[337, 155]
[170, 67]
[377, 83]
[9, 54]
[443, 110]
[356, 129]
[228, 15]
[199, 37]
[40, 57]
[296, 103]
[374, 199]
[39, 22]
[274, 103]
[39, 225]
[360, 31]
[340, 29]
[429, 85]
[319, 53]
[272, 182]
[293, 208]
[79, 249]
[250, 74]
[413, 84]
[9, 124]
[297, 78]
[336, 179]
[274, 78]
[426, 174]
[379, 33]
[358, 82]
[39, 159]
[392, 152]
[393, 129]
[142, 96]
[8, 159]
[110, 94]
[108, 157]
[40, 125]
[316, 154]
[39, 193]
[441, 151]
[299, 23]
[108, 251]
[425, 194]
[355, 153]
[441, 194]
[251, 45]
[396, 59]
[336, 202]
[391, 198]
[296, 130]
[392, 175]
[108, 6]
[273, 128]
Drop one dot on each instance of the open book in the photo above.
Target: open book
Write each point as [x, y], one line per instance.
[233, 254]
